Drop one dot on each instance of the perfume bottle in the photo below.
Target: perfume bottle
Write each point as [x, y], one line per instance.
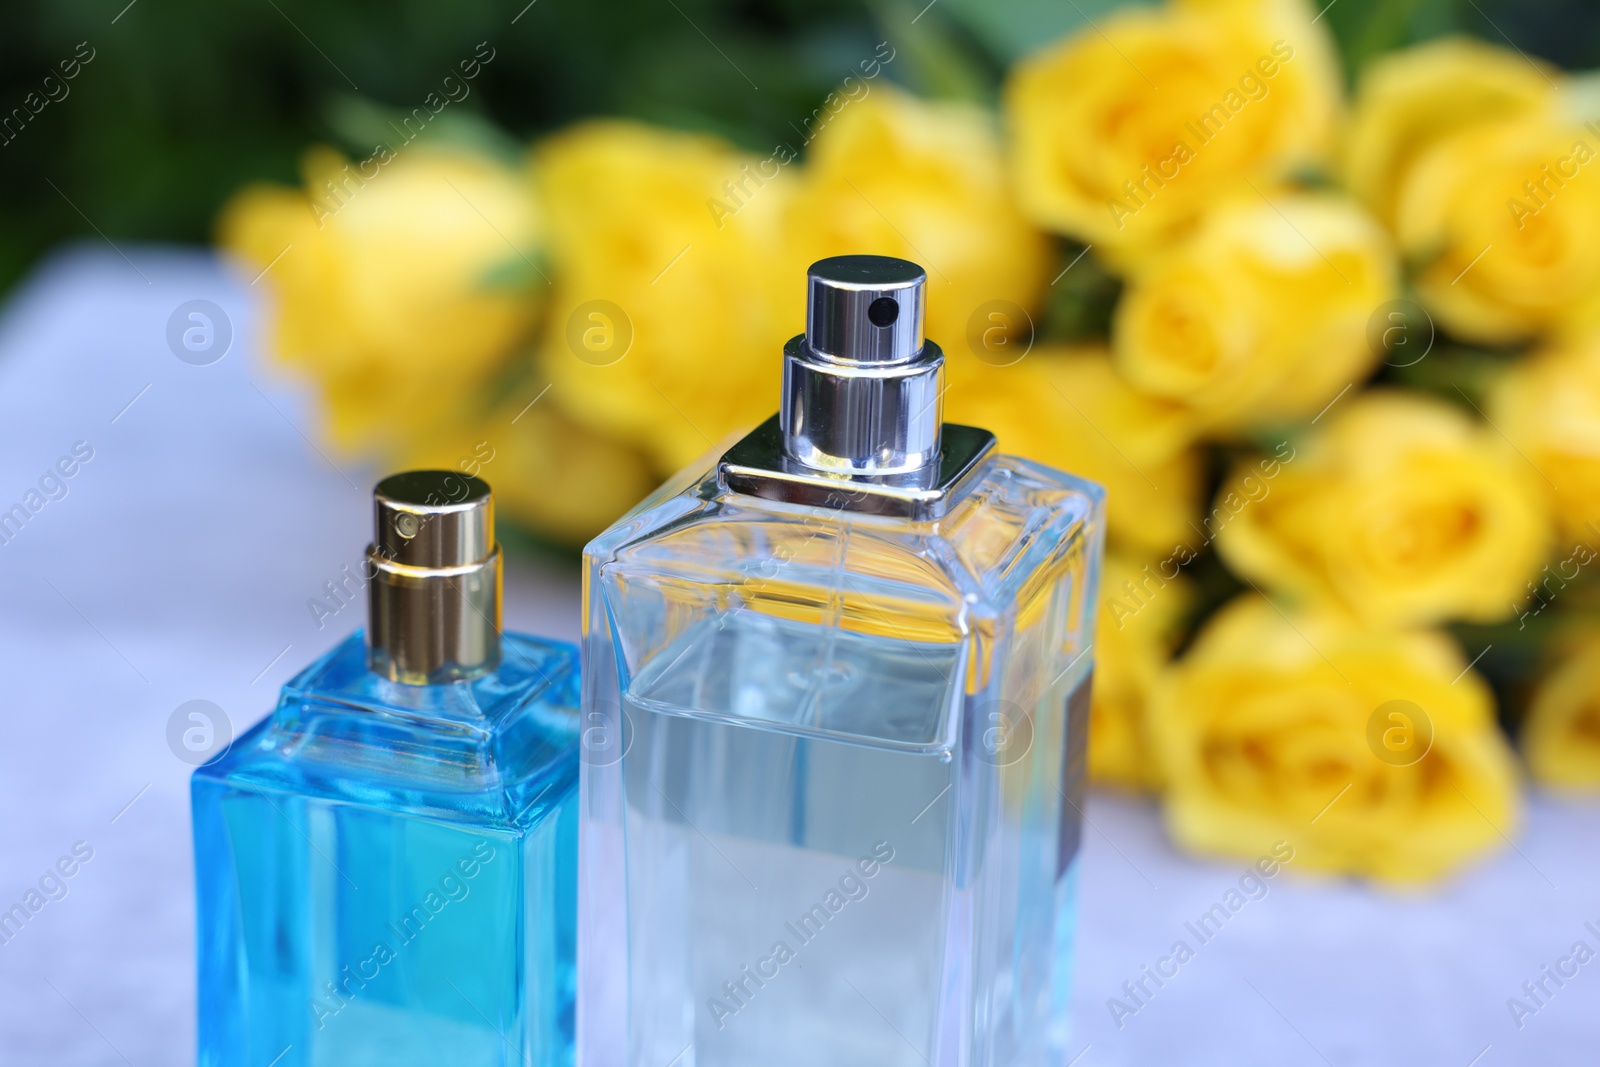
[386, 865]
[835, 706]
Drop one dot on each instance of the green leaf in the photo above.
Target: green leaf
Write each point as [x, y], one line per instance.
[516, 273]
[360, 126]
[1080, 301]
[930, 58]
[1010, 29]
[1365, 29]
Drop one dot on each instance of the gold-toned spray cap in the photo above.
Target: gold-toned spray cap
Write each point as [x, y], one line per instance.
[434, 600]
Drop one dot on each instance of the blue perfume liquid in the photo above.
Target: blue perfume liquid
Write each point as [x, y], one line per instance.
[385, 871]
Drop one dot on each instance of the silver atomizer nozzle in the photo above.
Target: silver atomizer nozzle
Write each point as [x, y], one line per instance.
[434, 601]
[861, 424]
[862, 388]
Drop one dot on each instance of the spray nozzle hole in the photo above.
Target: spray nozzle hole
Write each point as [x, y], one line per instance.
[883, 311]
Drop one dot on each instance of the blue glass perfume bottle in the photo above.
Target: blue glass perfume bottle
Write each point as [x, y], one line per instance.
[386, 864]
[835, 708]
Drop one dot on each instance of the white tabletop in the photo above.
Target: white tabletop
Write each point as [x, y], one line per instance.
[178, 565]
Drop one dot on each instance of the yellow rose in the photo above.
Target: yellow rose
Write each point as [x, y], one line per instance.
[383, 282]
[1067, 408]
[1549, 406]
[1410, 99]
[1401, 507]
[1140, 606]
[892, 175]
[1127, 131]
[1262, 314]
[1500, 220]
[1367, 751]
[552, 476]
[1561, 735]
[672, 298]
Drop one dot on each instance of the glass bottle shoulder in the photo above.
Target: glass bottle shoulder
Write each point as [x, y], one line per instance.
[821, 623]
[1017, 518]
[500, 749]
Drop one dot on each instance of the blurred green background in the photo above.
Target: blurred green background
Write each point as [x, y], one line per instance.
[186, 100]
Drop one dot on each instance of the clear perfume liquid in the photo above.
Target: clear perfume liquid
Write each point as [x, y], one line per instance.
[386, 874]
[830, 788]
[804, 855]
[792, 835]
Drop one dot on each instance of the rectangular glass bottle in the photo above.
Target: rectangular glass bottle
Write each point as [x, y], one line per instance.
[385, 866]
[834, 738]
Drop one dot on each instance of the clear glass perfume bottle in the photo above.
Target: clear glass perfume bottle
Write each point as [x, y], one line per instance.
[835, 702]
[386, 865]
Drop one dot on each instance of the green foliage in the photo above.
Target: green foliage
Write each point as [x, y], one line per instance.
[1081, 298]
[1015, 28]
[186, 100]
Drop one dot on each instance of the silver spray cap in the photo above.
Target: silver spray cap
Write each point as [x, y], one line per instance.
[434, 601]
[862, 388]
[860, 427]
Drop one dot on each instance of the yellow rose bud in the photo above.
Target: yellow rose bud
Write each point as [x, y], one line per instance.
[1548, 405]
[892, 175]
[1140, 605]
[398, 284]
[1125, 132]
[1262, 314]
[1401, 507]
[671, 300]
[1410, 99]
[1365, 751]
[552, 476]
[1500, 219]
[1561, 735]
[1066, 407]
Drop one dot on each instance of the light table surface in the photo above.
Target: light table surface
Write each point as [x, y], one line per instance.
[178, 566]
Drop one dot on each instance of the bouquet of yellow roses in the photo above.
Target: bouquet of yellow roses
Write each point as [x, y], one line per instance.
[1336, 362]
